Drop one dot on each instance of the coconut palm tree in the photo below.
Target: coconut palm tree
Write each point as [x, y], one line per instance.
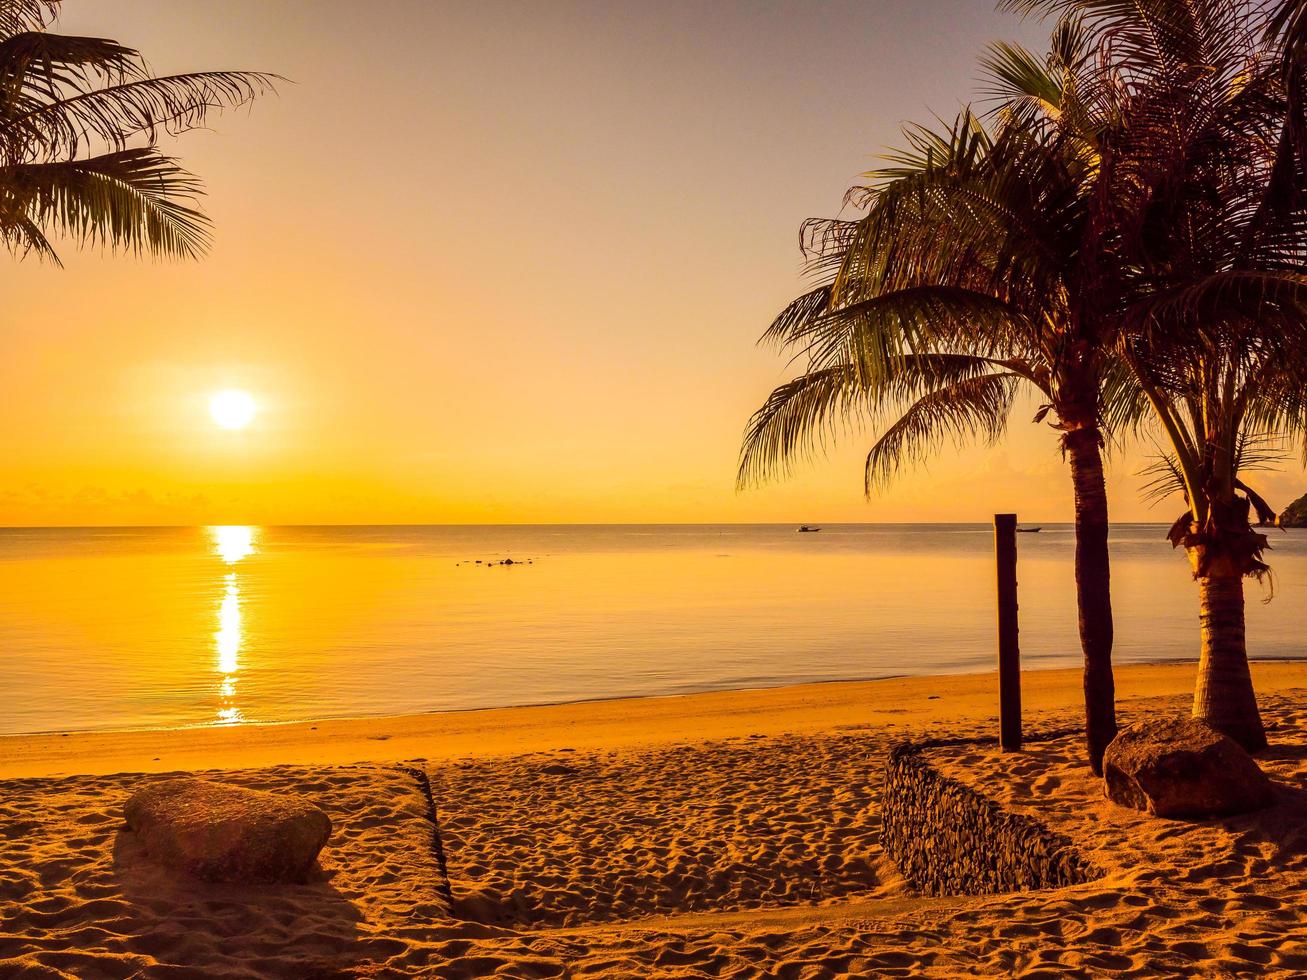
[1207, 215]
[79, 119]
[968, 278]
[1212, 408]
[1122, 239]
[1218, 345]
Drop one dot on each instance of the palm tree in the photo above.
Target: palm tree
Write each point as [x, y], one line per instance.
[79, 119]
[1219, 347]
[1206, 213]
[969, 277]
[1128, 237]
[1241, 393]
[1223, 548]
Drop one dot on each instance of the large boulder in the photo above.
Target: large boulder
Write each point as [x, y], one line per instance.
[1182, 767]
[221, 832]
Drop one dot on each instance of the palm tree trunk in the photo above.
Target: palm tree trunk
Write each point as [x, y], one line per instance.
[1093, 591]
[1224, 695]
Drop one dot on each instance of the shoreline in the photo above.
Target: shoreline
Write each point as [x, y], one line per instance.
[601, 698]
[922, 702]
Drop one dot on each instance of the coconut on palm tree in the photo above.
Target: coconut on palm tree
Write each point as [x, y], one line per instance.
[79, 121]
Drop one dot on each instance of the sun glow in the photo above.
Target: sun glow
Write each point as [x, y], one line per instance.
[233, 408]
[232, 542]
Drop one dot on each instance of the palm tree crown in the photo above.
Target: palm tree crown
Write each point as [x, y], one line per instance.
[964, 282]
[79, 119]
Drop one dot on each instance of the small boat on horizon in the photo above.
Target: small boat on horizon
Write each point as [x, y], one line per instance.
[1029, 530]
[805, 529]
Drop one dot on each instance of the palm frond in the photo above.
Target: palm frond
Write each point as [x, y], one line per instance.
[976, 408]
[1259, 451]
[1165, 478]
[877, 334]
[1195, 313]
[74, 112]
[793, 421]
[17, 16]
[797, 319]
[801, 416]
[1125, 408]
[24, 236]
[143, 107]
[1015, 76]
[38, 68]
[133, 199]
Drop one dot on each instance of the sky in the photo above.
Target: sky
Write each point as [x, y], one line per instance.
[493, 262]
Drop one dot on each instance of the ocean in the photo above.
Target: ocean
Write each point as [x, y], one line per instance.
[109, 628]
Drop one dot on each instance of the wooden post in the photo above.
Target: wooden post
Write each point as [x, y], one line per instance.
[1009, 651]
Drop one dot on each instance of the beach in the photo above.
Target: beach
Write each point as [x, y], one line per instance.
[728, 834]
[450, 528]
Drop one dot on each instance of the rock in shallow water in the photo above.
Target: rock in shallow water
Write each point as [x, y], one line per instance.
[221, 832]
[1182, 767]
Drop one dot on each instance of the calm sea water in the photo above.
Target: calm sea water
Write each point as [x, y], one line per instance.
[143, 627]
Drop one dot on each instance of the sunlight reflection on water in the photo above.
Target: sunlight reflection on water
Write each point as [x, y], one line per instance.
[231, 543]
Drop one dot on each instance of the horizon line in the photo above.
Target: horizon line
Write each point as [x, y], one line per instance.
[451, 524]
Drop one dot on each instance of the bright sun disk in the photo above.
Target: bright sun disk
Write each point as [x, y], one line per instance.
[233, 408]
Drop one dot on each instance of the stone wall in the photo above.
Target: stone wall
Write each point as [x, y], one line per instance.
[437, 841]
[948, 839]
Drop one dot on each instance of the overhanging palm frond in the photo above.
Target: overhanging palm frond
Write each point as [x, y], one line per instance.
[49, 66]
[143, 107]
[797, 319]
[977, 408]
[801, 416]
[17, 16]
[25, 236]
[876, 335]
[792, 421]
[74, 113]
[131, 199]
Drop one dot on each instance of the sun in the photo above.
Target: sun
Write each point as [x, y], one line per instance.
[233, 408]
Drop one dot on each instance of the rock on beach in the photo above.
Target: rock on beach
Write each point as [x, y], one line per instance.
[1182, 767]
[219, 832]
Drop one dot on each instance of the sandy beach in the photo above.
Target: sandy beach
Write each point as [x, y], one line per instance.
[716, 835]
[452, 528]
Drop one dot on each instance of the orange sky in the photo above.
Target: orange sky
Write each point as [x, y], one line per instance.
[489, 262]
